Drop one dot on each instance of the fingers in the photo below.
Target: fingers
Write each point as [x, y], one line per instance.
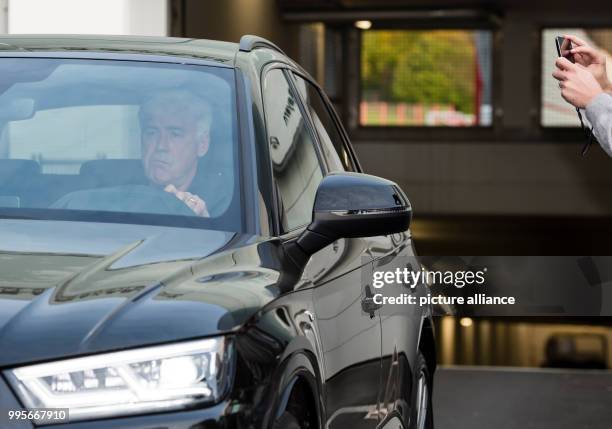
[584, 50]
[565, 64]
[575, 40]
[201, 209]
[194, 202]
[181, 195]
[565, 67]
[587, 54]
[559, 75]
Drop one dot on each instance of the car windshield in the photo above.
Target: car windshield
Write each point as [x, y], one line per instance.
[119, 141]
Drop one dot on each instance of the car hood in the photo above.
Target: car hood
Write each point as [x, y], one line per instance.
[70, 289]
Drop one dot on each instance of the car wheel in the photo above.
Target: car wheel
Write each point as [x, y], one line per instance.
[287, 421]
[423, 406]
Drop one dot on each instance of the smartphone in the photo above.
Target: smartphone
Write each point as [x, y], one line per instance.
[564, 46]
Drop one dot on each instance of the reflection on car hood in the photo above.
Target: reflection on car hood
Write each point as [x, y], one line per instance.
[71, 288]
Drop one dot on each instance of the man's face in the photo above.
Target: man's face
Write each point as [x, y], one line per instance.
[171, 146]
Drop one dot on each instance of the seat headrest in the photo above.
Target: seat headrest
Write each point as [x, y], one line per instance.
[113, 172]
[18, 169]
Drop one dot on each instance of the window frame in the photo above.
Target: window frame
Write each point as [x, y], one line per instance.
[286, 70]
[408, 134]
[333, 115]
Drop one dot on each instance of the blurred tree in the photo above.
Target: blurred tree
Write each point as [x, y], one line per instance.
[416, 66]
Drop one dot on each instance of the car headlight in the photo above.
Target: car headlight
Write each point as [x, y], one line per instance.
[128, 382]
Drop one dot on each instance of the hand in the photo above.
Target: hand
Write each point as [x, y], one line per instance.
[591, 58]
[194, 202]
[578, 85]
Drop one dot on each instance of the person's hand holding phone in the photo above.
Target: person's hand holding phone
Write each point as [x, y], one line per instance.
[578, 85]
[590, 58]
[581, 72]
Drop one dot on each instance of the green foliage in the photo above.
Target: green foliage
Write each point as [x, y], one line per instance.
[425, 67]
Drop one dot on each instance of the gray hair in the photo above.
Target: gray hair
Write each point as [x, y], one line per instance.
[183, 101]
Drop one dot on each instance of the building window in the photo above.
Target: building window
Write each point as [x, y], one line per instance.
[426, 78]
[554, 111]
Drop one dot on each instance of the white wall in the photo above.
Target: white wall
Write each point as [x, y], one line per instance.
[123, 17]
[4, 16]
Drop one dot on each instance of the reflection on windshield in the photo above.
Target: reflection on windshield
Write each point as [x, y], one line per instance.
[103, 262]
[118, 136]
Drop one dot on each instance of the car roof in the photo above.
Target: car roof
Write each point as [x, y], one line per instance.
[211, 50]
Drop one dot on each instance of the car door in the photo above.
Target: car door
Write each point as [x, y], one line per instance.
[350, 336]
[400, 323]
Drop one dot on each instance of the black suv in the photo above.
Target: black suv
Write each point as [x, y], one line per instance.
[187, 240]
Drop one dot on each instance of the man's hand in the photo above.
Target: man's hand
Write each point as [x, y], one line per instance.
[192, 201]
[578, 85]
[591, 58]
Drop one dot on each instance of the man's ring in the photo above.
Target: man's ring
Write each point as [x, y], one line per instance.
[191, 199]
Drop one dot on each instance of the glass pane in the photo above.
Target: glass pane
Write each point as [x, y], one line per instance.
[426, 78]
[332, 143]
[110, 132]
[102, 136]
[554, 111]
[297, 171]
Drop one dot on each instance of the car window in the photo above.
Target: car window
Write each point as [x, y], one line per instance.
[331, 139]
[296, 167]
[93, 137]
[96, 132]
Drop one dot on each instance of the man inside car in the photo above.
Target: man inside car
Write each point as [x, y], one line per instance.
[175, 134]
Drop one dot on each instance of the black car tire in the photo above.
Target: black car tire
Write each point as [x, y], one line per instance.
[287, 421]
[423, 374]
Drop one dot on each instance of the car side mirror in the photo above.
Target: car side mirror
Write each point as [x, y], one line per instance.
[353, 205]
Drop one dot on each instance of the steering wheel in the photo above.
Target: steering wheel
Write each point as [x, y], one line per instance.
[125, 198]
